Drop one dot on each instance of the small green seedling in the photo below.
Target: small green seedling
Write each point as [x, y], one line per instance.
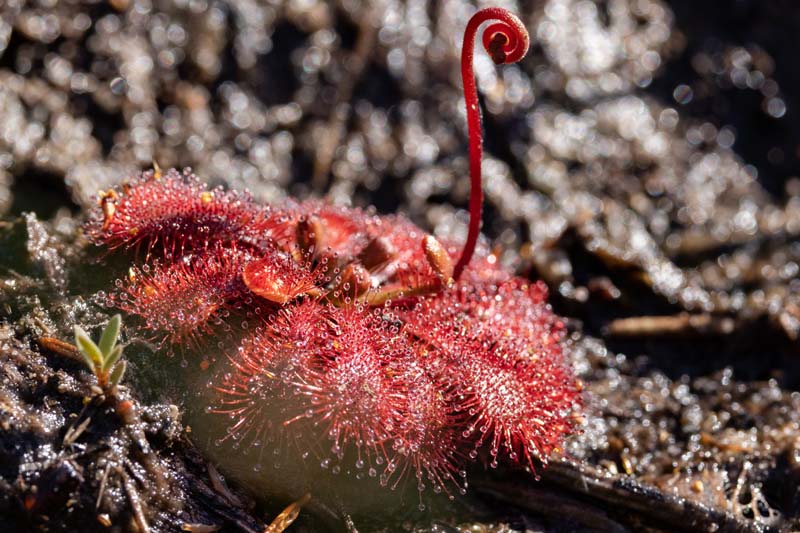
[103, 359]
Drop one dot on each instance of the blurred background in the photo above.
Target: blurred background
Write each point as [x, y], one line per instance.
[643, 160]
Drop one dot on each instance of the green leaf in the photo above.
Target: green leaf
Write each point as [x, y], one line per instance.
[117, 373]
[112, 358]
[87, 360]
[88, 348]
[109, 338]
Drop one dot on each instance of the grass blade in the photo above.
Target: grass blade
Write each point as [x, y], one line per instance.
[112, 358]
[118, 373]
[109, 338]
[88, 348]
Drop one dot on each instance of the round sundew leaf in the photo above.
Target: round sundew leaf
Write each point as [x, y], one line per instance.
[277, 278]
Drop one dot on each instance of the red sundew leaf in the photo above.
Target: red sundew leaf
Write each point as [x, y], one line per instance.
[520, 410]
[344, 229]
[179, 212]
[428, 442]
[180, 299]
[350, 388]
[278, 278]
[499, 350]
[352, 376]
[351, 392]
[256, 394]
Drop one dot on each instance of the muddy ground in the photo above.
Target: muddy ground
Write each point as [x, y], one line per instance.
[643, 161]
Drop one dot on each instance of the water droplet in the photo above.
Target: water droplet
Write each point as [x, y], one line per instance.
[776, 107]
[683, 94]
[118, 86]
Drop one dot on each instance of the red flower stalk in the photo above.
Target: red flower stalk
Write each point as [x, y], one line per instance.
[506, 41]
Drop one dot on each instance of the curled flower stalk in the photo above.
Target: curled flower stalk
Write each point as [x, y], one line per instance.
[506, 41]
